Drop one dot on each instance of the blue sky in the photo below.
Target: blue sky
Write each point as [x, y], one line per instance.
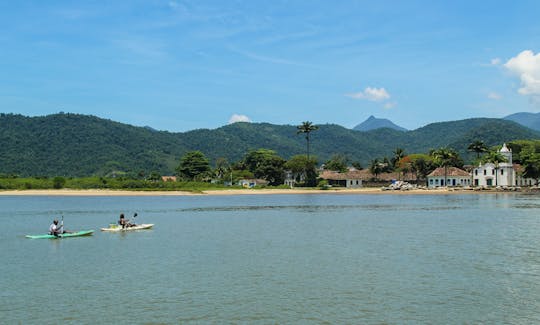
[184, 65]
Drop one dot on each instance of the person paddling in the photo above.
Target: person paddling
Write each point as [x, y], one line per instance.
[125, 222]
[55, 229]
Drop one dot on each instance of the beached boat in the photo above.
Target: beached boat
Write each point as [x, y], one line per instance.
[117, 228]
[66, 235]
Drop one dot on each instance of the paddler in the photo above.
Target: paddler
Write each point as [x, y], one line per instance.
[125, 222]
[55, 229]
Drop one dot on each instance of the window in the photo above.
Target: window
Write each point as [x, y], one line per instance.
[502, 171]
[476, 172]
[485, 172]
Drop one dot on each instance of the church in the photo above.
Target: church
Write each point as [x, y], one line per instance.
[501, 174]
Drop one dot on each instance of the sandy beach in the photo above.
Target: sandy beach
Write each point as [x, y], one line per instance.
[98, 192]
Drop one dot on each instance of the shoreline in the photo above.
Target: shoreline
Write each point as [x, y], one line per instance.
[99, 192]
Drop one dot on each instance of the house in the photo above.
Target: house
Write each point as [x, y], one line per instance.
[452, 177]
[252, 182]
[349, 179]
[168, 178]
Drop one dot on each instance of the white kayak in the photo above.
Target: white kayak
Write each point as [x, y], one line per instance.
[118, 228]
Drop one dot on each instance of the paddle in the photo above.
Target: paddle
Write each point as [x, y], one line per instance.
[134, 216]
[61, 227]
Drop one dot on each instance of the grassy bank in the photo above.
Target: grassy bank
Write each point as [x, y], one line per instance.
[86, 183]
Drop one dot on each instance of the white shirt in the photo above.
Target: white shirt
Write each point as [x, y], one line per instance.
[54, 228]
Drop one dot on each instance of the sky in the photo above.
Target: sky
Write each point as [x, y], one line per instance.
[183, 65]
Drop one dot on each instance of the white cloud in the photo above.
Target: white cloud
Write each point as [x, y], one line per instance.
[372, 94]
[495, 61]
[390, 105]
[239, 118]
[526, 65]
[494, 96]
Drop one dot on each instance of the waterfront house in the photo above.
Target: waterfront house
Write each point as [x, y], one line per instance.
[349, 179]
[496, 174]
[452, 177]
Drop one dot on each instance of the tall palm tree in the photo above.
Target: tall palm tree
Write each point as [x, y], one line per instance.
[444, 158]
[306, 127]
[478, 147]
[398, 154]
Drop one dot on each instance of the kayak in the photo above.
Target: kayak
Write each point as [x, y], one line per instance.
[66, 235]
[118, 228]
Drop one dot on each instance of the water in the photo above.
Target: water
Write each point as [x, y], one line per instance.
[356, 259]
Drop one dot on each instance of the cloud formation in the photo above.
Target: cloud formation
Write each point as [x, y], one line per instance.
[494, 96]
[526, 65]
[239, 118]
[495, 61]
[372, 94]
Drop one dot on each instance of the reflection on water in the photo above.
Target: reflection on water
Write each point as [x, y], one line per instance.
[275, 259]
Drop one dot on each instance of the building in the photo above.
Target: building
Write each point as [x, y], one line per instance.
[350, 179]
[496, 174]
[452, 177]
[168, 178]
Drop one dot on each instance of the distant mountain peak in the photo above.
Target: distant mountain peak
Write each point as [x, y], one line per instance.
[373, 123]
[530, 120]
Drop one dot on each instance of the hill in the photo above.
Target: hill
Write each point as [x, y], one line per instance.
[373, 123]
[81, 145]
[530, 120]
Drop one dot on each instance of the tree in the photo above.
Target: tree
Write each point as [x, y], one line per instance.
[58, 182]
[375, 167]
[154, 176]
[222, 167]
[445, 157]
[306, 128]
[266, 164]
[421, 165]
[303, 170]
[478, 147]
[530, 160]
[337, 162]
[398, 154]
[193, 166]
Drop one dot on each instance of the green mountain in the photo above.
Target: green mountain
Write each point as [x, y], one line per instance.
[530, 120]
[81, 145]
[373, 123]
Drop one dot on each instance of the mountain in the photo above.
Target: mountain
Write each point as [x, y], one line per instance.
[530, 120]
[82, 145]
[373, 123]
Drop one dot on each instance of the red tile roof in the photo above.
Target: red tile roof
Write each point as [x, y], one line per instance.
[450, 171]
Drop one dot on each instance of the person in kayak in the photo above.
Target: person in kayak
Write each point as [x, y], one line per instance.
[55, 229]
[125, 222]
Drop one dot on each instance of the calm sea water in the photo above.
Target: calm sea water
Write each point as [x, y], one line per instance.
[356, 259]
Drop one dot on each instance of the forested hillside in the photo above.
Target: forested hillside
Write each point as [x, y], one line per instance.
[81, 145]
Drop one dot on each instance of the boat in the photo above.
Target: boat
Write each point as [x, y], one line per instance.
[117, 228]
[60, 236]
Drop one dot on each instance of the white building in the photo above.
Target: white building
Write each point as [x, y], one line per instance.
[453, 176]
[501, 174]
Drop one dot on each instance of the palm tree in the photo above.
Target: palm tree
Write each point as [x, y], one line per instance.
[398, 154]
[478, 147]
[306, 127]
[496, 158]
[375, 167]
[444, 158]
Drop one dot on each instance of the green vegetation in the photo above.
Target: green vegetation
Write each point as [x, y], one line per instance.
[72, 145]
[82, 183]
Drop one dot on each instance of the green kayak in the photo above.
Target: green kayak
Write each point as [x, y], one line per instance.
[66, 235]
